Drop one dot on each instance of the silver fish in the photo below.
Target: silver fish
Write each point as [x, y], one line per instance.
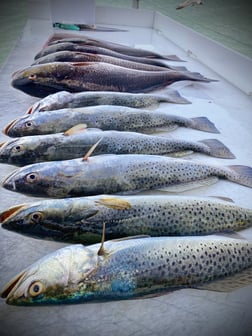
[111, 174]
[65, 99]
[105, 117]
[81, 219]
[78, 140]
[132, 268]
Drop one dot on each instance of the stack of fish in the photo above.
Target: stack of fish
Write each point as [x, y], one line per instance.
[81, 147]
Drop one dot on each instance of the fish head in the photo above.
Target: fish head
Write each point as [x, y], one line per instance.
[25, 125]
[42, 79]
[53, 179]
[17, 152]
[30, 220]
[58, 277]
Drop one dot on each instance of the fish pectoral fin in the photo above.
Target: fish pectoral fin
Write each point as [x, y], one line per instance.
[181, 153]
[76, 129]
[190, 185]
[91, 150]
[114, 203]
[230, 283]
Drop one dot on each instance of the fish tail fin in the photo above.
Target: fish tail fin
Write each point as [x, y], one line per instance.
[196, 76]
[172, 58]
[218, 149]
[203, 124]
[241, 175]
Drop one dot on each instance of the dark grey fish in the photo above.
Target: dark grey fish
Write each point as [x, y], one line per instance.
[43, 79]
[76, 56]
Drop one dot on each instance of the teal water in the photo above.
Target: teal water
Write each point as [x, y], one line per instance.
[226, 21]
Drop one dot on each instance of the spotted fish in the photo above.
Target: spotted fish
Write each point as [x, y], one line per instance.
[65, 99]
[110, 174]
[133, 268]
[78, 140]
[105, 117]
[80, 220]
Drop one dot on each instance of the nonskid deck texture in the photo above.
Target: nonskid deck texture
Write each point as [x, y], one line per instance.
[183, 312]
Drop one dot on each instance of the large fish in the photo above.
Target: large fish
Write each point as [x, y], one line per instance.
[80, 220]
[110, 174]
[68, 46]
[105, 117]
[132, 268]
[117, 47]
[43, 79]
[65, 99]
[78, 140]
[76, 56]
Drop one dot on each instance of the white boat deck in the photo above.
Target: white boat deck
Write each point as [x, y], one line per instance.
[227, 103]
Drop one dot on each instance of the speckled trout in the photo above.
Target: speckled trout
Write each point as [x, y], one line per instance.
[77, 141]
[65, 99]
[133, 268]
[105, 117]
[109, 174]
[81, 219]
[43, 79]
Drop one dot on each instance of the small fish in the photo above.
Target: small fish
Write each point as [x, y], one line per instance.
[105, 117]
[77, 140]
[112, 174]
[189, 3]
[132, 268]
[82, 41]
[76, 56]
[43, 79]
[65, 99]
[80, 220]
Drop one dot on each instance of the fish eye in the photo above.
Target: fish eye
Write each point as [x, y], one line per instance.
[36, 288]
[18, 148]
[32, 177]
[32, 77]
[36, 217]
[28, 124]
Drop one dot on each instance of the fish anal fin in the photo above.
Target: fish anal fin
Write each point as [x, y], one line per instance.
[181, 153]
[230, 283]
[114, 203]
[223, 198]
[76, 129]
[190, 185]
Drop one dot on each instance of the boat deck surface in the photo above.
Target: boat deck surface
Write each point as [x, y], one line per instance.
[183, 312]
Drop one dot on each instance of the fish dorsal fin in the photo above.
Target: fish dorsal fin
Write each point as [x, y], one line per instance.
[229, 283]
[114, 203]
[75, 64]
[91, 150]
[76, 129]
[130, 238]
[102, 251]
[223, 198]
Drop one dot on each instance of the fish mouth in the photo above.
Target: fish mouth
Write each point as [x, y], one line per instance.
[9, 126]
[9, 183]
[10, 287]
[9, 213]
